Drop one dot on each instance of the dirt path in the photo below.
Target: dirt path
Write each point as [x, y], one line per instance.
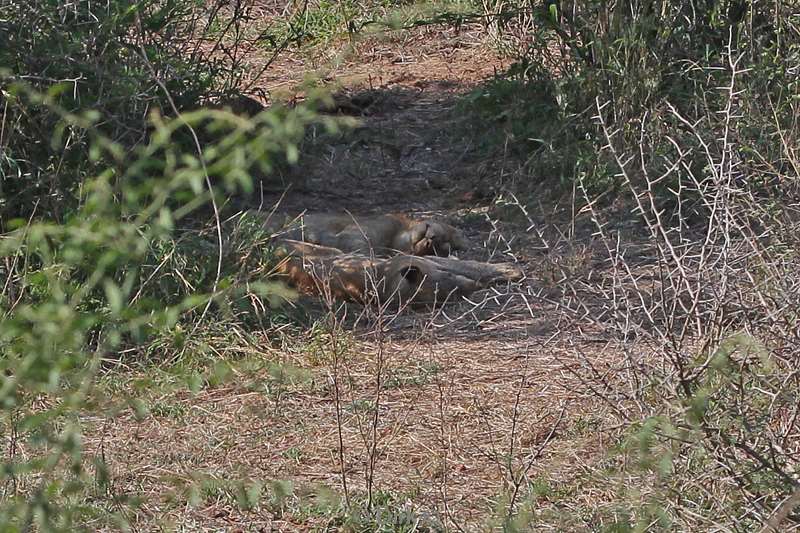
[406, 154]
[473, 404]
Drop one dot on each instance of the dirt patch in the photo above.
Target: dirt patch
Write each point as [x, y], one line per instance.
[404, 154]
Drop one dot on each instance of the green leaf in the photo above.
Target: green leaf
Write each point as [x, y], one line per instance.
[292, 154]
[113, 296]
[195, 382]
[140, 410]
[165, 220]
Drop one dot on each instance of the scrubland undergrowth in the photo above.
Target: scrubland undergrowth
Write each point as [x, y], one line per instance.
[639, 159]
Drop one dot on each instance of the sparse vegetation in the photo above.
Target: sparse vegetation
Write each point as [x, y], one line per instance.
[640, 160]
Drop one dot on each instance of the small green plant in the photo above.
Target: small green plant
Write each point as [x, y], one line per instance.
[245, 494]
[390, 512]
[361, 406]
[415, 376]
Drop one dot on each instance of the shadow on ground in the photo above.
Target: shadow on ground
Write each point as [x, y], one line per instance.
[409, 152]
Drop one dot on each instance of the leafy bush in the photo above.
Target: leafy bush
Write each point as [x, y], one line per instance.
[691, 110]
[78, 292]
[120, 60]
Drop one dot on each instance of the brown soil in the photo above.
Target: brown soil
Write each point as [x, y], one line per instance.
[409, 149]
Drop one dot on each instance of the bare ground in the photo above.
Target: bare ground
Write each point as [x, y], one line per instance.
[448, 413]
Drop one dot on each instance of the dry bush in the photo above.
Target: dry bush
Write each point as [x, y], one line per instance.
[702, 300]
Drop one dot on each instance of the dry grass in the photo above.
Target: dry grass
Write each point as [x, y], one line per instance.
[462, 418]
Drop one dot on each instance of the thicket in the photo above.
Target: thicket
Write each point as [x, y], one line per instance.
[674, 126]
[104, 151]
[641, 61]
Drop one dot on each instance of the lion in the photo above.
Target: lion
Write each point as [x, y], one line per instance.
[379, 234]
[403, 279]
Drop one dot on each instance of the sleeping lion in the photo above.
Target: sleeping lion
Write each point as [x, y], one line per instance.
[421, 281]
[378, 234]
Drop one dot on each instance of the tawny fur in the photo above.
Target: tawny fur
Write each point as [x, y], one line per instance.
[402, 278]
[378, 235]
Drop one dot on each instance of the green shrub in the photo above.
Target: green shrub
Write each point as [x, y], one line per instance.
[641, 66]
[77, 292]
[687, 112]
[118, 60]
